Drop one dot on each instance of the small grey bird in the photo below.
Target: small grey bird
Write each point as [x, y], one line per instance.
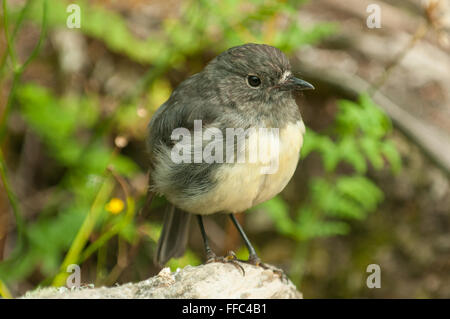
[247, 87]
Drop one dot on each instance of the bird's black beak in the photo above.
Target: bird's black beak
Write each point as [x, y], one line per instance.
[293, 83]
[301, 84]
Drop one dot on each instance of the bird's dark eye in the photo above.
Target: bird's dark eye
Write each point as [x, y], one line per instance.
[253, 80]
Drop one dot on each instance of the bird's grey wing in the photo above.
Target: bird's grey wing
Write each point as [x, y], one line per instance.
[194, 99]
[189, 102]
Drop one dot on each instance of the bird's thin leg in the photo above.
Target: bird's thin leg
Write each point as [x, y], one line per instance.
[252, 256]
[210, 255]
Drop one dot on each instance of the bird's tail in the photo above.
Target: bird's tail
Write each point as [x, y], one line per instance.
[174, 235]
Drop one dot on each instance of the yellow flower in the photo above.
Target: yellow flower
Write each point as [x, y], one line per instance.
[115, 206]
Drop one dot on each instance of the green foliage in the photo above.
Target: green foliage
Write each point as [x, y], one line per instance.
[360, 130]
[77, 134]
[61, 122]
[360, 138]
[203, 25]
[62, 125]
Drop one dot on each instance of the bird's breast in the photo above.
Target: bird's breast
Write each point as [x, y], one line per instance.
[240, 186]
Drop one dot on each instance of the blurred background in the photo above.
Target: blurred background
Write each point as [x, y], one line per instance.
[372, 186]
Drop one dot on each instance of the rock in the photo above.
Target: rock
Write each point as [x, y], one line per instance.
[213, 281]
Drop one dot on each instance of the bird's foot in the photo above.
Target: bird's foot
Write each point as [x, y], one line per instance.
[256, 261]
[230, 258]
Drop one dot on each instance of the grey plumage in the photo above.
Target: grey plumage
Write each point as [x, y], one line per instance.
[219, 96]
[174, 235]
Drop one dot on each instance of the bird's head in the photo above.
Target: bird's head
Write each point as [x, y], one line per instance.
[254, 73]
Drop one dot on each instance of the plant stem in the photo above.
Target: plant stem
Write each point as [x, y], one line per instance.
[12, 199]
[4, 115]
[42, 35]
[111, 232]
[15, 31]
[17, 68]
[9, 43]
[73, 255]
[418, 35]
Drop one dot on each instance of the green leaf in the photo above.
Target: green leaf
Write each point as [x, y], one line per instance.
[350, 153]
[372, 149]
[389, 150]
[310, 226]
[360, 189]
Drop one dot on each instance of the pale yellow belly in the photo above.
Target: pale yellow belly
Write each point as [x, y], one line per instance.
[241, 186]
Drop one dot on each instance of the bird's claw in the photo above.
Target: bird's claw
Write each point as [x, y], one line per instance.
[255, 261]
[230, 258]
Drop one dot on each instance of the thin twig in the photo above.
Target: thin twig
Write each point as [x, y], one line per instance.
[418, 35]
